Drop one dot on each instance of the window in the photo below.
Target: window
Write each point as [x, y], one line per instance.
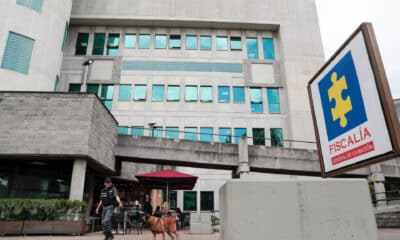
[225, 135]
[222, 43]
[258, 136]
[65, 36]
[206, 134]
[191, 93]
[273, 100]
[157, 132]
[98, 43]
[93, 88]
[158, 93]
[256, 102]
[172, 132]
[18, 53]
[137, 131]
[252, 48]
[161, 41]
[239, 132]
[172, 93]
[224, 95]
[236, 43]
[125, 92]
[190, 133]
[144, 41]
[123, 130]
[139, 93]
[175, 41]
[113, 44]
[107, 92]
[276, 137]
[35, 5]
[206, 94]
[81, 44]
[189, 201]
[191, 42]
[205, 42]
[268, 48]
[56, 82]
[238, 95]
[130, 41]
[207, 201]
[74, 88]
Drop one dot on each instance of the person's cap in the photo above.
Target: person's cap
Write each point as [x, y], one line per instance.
[108, 179]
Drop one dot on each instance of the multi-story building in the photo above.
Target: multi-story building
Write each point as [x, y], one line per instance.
[202, 70]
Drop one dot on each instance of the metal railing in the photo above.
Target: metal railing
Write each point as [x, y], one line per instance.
[230, 139]
[390, 196]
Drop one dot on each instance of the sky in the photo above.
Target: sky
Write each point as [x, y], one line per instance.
[339, 18]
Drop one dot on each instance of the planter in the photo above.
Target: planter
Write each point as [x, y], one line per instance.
[54, 227]
[11, 227]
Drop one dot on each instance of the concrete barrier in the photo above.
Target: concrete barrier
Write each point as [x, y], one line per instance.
[307, 209]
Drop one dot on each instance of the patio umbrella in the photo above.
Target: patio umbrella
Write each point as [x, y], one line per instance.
[168, 180]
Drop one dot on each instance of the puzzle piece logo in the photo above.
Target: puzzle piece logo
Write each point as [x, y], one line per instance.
[342, 106]
[341, 98]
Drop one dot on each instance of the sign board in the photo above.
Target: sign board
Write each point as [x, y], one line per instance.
[353, 112]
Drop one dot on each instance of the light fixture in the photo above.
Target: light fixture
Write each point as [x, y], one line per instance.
[88, 62]
[37, 163]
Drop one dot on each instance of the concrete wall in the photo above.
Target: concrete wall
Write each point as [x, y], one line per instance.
[57, 126]
[47, 29]
[297, 210]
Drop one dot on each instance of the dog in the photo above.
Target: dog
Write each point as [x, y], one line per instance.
[162, 225]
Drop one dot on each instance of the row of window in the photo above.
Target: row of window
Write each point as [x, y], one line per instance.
[163, 41]
[206, 134]
[193, 93]
[190, 201]
[35, 5]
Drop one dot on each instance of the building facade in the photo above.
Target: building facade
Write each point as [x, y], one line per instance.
[201, 70]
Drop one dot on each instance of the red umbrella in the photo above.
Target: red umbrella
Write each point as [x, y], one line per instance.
[167, 179]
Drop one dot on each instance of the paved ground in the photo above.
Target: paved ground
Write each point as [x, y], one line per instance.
[384, 234]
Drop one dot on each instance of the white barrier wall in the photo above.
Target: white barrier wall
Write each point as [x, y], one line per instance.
[297, 210]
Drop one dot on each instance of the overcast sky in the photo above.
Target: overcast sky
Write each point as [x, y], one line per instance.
[339, 18]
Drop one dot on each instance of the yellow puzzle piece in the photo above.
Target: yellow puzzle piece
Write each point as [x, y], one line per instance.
[342, 106]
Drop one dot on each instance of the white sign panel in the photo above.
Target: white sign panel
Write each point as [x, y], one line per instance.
[347, 108]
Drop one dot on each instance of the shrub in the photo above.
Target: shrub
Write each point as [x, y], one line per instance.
[41, 209]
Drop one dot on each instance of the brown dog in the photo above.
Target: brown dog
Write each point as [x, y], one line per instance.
[161, 226]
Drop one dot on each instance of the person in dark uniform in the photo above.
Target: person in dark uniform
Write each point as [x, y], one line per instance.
[109, 199]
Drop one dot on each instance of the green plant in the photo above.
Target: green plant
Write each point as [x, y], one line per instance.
[41, 209]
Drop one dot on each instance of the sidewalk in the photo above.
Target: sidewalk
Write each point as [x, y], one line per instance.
[185, 235]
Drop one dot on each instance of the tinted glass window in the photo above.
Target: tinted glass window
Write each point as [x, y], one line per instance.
[137, 131]
[175, 41]
[273, 100]
[158, 93]
[158, 132]
[236, 43]
[207, 201]
[125, 92]
[113, 44]
[239, 132]
[238, 95]
[93, 88]
[258, 136]
[256, 100]
[161, 41]
[190, 133]
[268, 48]
[139, 92]
[173, 93]
[172, 132]
[225, 135]
[222, 43]
[224, 95]
[276, 137]
[144, 41]
[206, 134]
[123, 130]
[205, 42]
[74, 88]
[191, 93]
[252, 48]
[81, 44]
[189, 201]
[206, 94]
[130, 41]
[98, 43]
[191, 42]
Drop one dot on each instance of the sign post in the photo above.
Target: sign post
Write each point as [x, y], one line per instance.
[355, 121]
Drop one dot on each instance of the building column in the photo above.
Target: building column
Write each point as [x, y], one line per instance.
[243, 167]
[378, 180]
[78, 180]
